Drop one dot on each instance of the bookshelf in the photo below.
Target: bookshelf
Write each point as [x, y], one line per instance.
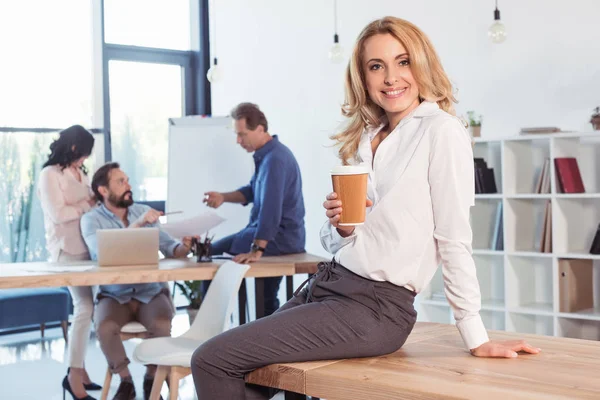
[520, 285]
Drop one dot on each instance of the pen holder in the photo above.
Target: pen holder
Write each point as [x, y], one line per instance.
[201, 251]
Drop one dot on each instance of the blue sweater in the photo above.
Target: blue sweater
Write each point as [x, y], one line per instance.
[278, 210]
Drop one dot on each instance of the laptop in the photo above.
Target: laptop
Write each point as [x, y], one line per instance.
[131, 246]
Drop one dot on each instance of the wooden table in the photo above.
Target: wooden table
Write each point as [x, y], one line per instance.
[434, 364]
[41, 274]
[304, 263]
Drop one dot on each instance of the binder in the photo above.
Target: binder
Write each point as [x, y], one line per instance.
[575, 285]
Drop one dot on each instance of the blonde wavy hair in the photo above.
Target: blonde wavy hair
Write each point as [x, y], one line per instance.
[425, 66]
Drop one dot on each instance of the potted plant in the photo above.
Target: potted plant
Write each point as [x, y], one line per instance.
[474, 123]
[191, 291]
[596, 119]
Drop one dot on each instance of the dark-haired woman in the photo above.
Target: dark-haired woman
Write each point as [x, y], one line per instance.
[65, 194]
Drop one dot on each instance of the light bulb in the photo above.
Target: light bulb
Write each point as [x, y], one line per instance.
[214, 74]
[497, 32]
[336, 53]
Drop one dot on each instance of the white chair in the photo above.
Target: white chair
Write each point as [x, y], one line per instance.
[130, 330]
[173, 354]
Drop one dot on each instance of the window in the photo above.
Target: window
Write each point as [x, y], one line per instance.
[46, 78]
[160, 24]
[143, 96]
[52, 78]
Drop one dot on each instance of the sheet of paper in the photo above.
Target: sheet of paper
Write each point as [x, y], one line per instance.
[59, 268]
[194, 226]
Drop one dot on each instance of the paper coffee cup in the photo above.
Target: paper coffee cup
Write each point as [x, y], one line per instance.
[350, 184]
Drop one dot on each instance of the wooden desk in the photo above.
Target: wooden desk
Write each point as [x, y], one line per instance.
[434, 364]
[41, 274]
[304, 263]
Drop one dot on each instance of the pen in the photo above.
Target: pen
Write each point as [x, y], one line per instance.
[173, 212]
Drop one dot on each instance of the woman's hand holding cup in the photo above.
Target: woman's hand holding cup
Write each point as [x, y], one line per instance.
[333, 208]
[346, 205]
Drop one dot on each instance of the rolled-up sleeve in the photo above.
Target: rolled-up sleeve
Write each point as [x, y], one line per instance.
[167, 244]
[248, 193]
[451, 178]
[332, 241]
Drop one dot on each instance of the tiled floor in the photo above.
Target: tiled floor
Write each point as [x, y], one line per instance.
[32, 368]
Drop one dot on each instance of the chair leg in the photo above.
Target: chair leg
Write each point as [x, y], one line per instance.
[106, 386]
[65, 329]
[242, 301]
[159, 379]
[42, 328]
[174, 384]
[294, 396]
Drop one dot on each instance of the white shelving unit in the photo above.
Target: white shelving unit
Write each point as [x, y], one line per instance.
[520, 285]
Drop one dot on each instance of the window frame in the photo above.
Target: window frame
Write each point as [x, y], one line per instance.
[194, 63]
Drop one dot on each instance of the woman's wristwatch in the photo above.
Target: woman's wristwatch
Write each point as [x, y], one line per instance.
[254, 248]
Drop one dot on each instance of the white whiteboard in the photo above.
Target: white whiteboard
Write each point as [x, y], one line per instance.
[203, 157]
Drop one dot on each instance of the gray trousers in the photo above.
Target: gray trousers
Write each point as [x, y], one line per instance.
[338, 315]
[111, 316]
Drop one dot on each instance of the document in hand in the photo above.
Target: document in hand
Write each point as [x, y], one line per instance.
[194, 226]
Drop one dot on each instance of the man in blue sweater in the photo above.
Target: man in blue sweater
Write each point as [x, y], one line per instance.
[276, 224]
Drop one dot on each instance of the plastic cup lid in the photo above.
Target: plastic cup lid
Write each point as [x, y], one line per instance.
[349, 170]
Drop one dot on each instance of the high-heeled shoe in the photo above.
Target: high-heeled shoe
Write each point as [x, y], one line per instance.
[88, 386]
[92, 386]
[67, 388]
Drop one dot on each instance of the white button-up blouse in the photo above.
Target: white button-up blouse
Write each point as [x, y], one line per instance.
[421, 182]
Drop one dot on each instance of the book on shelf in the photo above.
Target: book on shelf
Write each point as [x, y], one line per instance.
[497, 242]
[575, 285]
[539, 130]
[500, 241]
[543, 240]
[548, 237]
[485, 182]
[542, 185]
[595, 249]
[568, 175]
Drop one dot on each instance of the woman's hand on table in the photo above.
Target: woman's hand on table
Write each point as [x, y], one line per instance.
[504, 348]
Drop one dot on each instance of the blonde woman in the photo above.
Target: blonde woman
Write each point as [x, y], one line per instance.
[65, 194]
[403, 129]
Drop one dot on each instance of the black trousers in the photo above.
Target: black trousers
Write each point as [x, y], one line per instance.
[337, 315]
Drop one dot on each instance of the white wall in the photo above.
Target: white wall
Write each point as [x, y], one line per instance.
[274, 53]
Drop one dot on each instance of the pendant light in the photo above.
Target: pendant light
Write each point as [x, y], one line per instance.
[497, 31]
[336, 54]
